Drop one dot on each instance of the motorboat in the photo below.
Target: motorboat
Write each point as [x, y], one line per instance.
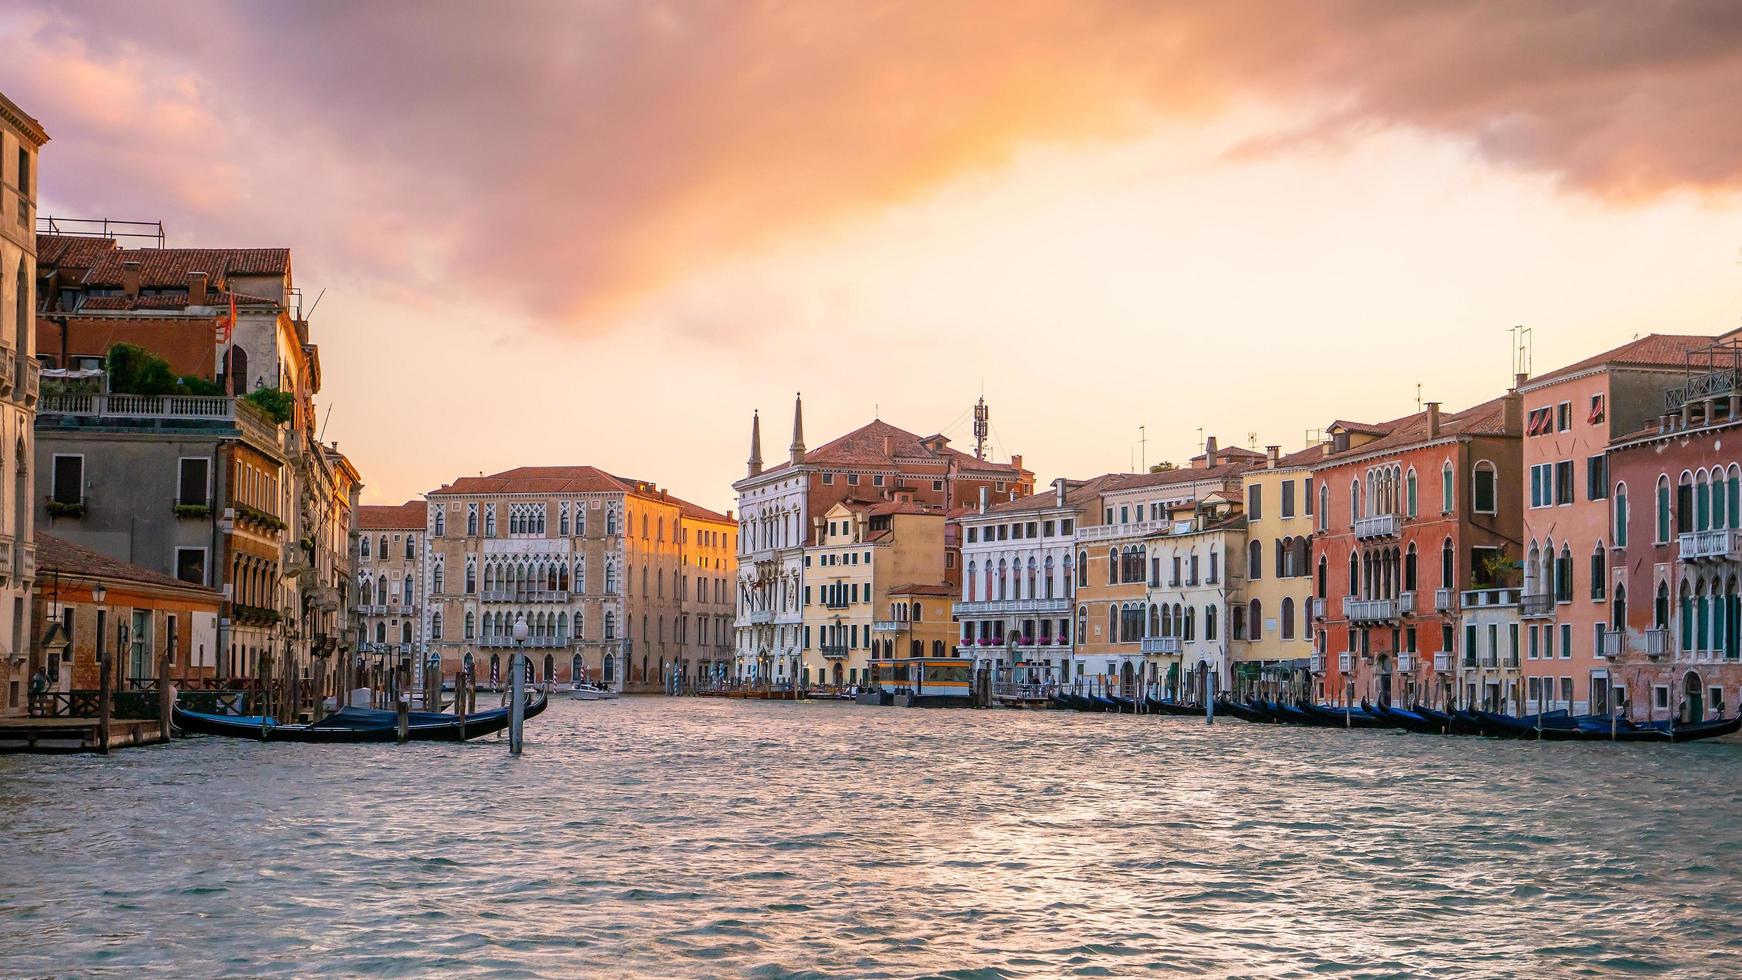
[585, 691]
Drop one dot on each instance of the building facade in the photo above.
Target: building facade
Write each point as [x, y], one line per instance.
[21, 140]
[595, 564]
[389, 560]
[1277, 587]
[1571, 417]
[1197, 582]
[1411, 513]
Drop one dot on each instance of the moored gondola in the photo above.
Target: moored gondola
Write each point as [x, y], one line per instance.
[1244, 711]
[1414, 721]
[1325, 716]
[353, 725]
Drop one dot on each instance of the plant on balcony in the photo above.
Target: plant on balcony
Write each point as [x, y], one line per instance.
[254, 515]
[66, 508]
[133, 370]
[193, 510]
[1026, 640]
[1499, 571]
[985, 641]
[275, 403]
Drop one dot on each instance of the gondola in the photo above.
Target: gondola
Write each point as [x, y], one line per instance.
[1410, 721]
[1059, 701]
[1244, 711]
[1325, 716]
[1553, 726]
[1123, 704]
[1288, 713]
[1162, 706]
[353, 725]
[1600, 730]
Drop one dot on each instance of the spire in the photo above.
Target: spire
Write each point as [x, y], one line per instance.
[797, 429]
[755, 443]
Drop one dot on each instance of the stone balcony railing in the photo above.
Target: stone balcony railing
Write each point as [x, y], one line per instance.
[891, 625]
[1369, 610]
[1443, 662]
[166, 408]
[1345, 661]
[1612, 644]
[1317, 663]
[508, 595]
[1488, 598]
[760, 617]
[32, 381]
[1012, 607]
[1537, 606]
[1103, 532]
[1717, 544]
[835, 651]
[1445, 600]
[1405, 662]
[1318, 607]
[1166, 645]
[1378, 526]
[8, 370]
[1657, 643]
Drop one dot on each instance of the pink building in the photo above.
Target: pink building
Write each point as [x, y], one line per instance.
[1571, 417]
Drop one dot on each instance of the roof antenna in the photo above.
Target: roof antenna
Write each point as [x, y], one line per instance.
[1143, 442]
[1418, 396]
[1521, 350]
[982, 422]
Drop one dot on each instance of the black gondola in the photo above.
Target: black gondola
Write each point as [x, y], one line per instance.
[1244, 711]
[1325, 716]
[353, 725]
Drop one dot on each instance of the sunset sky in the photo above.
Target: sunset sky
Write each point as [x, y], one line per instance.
[605, 232]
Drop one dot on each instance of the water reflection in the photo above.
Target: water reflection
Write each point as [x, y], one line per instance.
[658, 838]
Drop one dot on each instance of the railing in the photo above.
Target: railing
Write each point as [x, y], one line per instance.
[1159, 644]
[130, 705]
[1405, 662]
[835, 651]
[26, 561]
[1345, 662]
[1369, 610]
[1317, 663]
[8, 369]
[890, 625]
[32, 381]
[1657, 643]
[1318, 607]
[1483, 598]
[1378, 526]
[1442, 662]
[509, 595]
[1101, 532]
[1445, 600]
[1538, 606]
[1405, 603]
[218, 408]
[758, 617]
[1722, 544]
[1611, 644]
[6, 570]
[1013, 606]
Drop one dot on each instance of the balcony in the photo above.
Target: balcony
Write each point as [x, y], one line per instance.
[1612, 644]
[760, 617]
[1345, 662]
[1442, 662]
[1405, 662]
[1317, 663]
[891, 625]
[1445, 600]
[1406, 603]
[1539, 606]
[1657, 643]
[1718, 544]
[1318, 607]
[8, 369]
[6, 552]
[1369, 610]
[27, 562]
[1102, 532]
[32, 381]
[1488, 598]
[159, 408]
[835, 651]
[1166, 645]
[1378, 526]
[999, 607]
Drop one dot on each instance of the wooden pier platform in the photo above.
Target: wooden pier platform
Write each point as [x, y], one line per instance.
[61, 735]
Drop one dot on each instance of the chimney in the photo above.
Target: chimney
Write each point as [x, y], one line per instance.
[130, 277]
[889, 447]
[1016, 461]
[1272, 455]
[1512, 418]
[983, 495]
[1209, 452]
[1519, 379]
[755, 443]
[1433, 420]
[1058, 491]
[196, 289]
[797, 448]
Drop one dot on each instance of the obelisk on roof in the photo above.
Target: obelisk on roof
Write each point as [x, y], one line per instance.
[755, 443]
[797, 448]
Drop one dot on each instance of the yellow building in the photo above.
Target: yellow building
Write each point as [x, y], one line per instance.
[1277, 625]
[862, 551]
[915, 622]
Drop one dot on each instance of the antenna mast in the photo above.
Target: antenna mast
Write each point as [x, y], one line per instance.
[982, 415]
[1521, 350]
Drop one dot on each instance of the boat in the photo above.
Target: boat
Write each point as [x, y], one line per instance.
[1415, 721]
[582, 691]
[1244, 711]
[352, 725]
[1545, 725]
[1325, 716]
[1162, 706]
[1123, 704]
[1287, 713]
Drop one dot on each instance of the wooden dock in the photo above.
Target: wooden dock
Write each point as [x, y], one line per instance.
[61, 735]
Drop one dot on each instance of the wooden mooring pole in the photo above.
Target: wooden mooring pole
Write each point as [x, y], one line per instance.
[105, 699]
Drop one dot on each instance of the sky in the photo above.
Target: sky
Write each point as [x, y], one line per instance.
[606, 232]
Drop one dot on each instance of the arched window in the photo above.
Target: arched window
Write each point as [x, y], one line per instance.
[408, 595]
[1255, 618]
[1563, 575]
[1324, 505]
[1254, 560]
[1082, 569]
[1702, 501]
[1448, 485]
[441, 520]
[471, 578]
[1354, 501]
[1409, 568]
[1210, 623]
[1082, 623]
[1287, 618]
[471, 625]
[1448, 566]
[1620, 529]
[410, 547]
[1048, 579]
[1484, 489]
[1684, 503]
[1191, 624]
[382, 551]
[380, 632]
[363, 546]
[405, 632]
[1599, 572]
[1687, 617]
[1112, 566]
[1409, 493]
[972, 581]
[1237, 615]
[435, 626]
[1663, 509]
[1324, 569]
[436, 577]
[1354, 574]
[1733, 495]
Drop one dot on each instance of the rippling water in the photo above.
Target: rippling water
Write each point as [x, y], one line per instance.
[654, 837]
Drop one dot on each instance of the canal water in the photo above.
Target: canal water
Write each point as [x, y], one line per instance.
[658, 838]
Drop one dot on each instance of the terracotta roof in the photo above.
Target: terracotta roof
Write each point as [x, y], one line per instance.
[569, 479]
[864, 447]
[1486, 419]
[1184, 474]
[1076, 492]
[171, 266]
[914, 588]
[411, 515]
[71, 251]
[1651, 350]
[58, 555]
[1231, 454]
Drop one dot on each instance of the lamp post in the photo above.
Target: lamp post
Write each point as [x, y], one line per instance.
[517, 685]
[105, 680]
